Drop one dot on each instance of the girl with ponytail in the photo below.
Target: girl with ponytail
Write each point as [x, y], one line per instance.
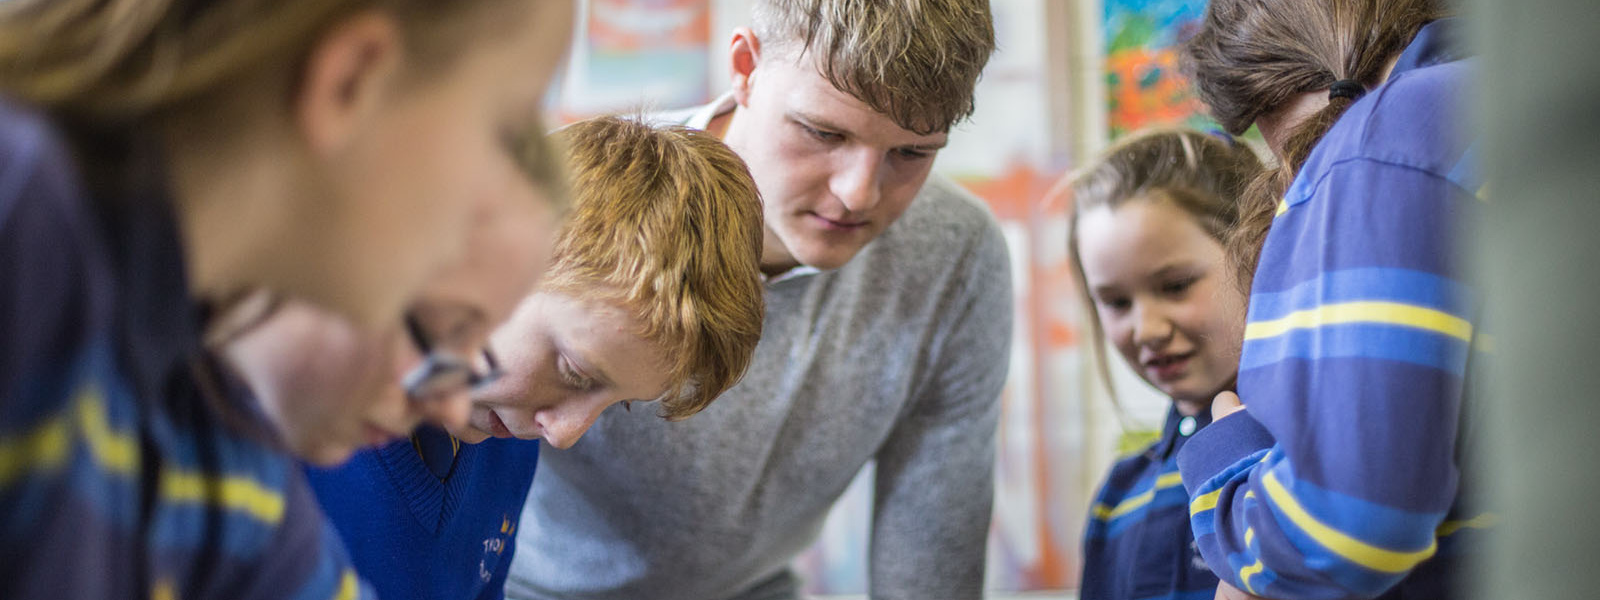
[1275, 65]
[1344, 477]
[162, 159]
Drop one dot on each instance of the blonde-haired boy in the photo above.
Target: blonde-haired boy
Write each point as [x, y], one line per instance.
[653, 294]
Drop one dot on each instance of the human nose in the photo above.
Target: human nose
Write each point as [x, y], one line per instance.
[856, 185]
[1151, 326]
[563, 426]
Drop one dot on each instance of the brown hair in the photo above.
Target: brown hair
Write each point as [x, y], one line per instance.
[916, 61]
[1201, 174]
[1253, 56]
[666, 222]
[123, 60]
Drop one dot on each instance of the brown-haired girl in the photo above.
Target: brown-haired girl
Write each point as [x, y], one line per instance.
[159, 158]
[1148, 224]
[1343, 479]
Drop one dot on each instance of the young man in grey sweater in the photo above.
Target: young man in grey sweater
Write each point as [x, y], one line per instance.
[886, 338]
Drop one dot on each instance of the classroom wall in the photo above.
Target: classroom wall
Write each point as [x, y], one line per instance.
[1067, 77]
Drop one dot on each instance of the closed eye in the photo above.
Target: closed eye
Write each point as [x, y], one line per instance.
[1178, 287]
[514, 141]
[819, 134]
[912, 153]
[448, 326]
[572, 378]
[1115, 305]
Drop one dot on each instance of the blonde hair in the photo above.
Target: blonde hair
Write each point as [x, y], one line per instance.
[916, 61]
[666, 222]
[1204, 175]
[120, 61]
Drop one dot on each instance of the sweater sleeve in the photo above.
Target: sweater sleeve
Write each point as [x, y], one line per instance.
[304, 557]
[62, 534]
[935, 484]
[1333, 482]
[53, 292]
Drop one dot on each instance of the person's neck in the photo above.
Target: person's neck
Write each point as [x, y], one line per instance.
[1278, 125]
[774, 259]
[718, 125]
[1388, 67]
[1190, 408]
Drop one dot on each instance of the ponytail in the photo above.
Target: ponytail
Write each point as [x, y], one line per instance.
[1251, 57]
[1259, 204]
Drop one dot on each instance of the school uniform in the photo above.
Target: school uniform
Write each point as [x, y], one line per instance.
[1138, 545]
[1346, 475]
[431, 517]
[130, 464]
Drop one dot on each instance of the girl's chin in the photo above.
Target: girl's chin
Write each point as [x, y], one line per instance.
[1195, 399]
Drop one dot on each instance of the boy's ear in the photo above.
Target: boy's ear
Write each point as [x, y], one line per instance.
[345, 79]
[744, 53]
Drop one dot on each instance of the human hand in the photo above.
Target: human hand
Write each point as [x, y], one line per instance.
[1225, 404]
[1225, 591]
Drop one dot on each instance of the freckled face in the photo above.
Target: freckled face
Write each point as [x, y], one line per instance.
[566, 361]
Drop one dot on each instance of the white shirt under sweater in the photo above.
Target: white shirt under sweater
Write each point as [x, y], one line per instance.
[898, 357]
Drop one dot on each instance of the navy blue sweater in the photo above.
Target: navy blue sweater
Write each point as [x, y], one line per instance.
[417, 537]
[1138, 545]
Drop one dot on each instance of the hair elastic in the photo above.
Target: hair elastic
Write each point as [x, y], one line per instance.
[1347, 88]
[1222, 135]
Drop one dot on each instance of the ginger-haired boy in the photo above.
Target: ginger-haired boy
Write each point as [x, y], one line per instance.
[653, 294]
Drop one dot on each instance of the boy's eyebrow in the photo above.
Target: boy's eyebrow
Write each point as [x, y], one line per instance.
[822, 123]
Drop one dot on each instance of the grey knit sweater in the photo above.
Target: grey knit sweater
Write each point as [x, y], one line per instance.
[899, 357]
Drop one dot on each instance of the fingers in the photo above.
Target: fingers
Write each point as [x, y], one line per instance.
[1225, 404]
[1228, 592]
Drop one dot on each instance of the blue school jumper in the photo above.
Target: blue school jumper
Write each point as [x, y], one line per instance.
[1344, 477]
[130, 466]
[414, 535]
[1138, 545]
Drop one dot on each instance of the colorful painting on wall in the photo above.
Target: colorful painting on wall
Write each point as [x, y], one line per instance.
[632, 54]
[1143, 83]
